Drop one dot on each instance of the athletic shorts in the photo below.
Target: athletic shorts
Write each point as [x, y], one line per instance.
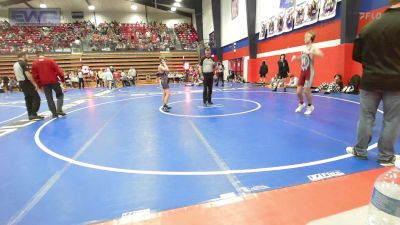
[306, 79]
[164, 82]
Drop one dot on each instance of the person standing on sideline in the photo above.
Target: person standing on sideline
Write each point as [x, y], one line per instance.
[5, 83]
[28, 86]
[307, 72]
[220, 71]
[207, 66]
[132, 75]
[109, 78]
[47, 74]
[263, 72]
[163, 73]
[378, 50]
[81, 81]
[283, 72]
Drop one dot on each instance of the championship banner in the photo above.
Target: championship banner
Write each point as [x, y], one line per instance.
[272, 27]
[328, 9]
[285, 4]
[306, 12]
[280, 22]
[289, 19]
[263, 31]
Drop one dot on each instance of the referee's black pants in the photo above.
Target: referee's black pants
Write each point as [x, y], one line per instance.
[32, 98]
[208, 85]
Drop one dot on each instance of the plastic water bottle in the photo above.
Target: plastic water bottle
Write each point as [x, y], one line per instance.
[384, 208]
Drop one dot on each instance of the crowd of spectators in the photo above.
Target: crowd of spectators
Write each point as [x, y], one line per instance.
[86, 36]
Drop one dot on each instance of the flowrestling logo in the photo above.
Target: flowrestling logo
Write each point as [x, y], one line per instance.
[326, 175]
[34, 17]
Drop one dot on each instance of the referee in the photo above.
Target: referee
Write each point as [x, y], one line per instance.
[28, 86]
[207, 66]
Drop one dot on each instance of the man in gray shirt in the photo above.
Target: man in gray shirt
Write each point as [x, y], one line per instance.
[378, 49]
[28, 86]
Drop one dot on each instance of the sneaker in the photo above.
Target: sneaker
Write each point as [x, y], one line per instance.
[210, 103]
[169, 107]
[350, 150]
[204, 104]
[300, 107]
[61, 113]
[274, 89]
[55, 116]
[388, 162]
[309, 110]
[222, 85]
[165, 109]
[36, 117]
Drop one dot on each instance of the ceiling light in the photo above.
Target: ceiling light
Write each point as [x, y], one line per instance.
[43, 6]
[91, 7]
[134, 7]
[178, 0]
[176, 4]
[173, 9]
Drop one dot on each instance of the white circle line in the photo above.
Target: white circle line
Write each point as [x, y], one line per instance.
[180, 173]
[209, 116]
[5, 121]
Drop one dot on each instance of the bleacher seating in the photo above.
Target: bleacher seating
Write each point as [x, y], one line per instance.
[145, 63]
[112, 36]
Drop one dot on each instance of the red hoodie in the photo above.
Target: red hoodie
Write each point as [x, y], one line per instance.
[46, 71]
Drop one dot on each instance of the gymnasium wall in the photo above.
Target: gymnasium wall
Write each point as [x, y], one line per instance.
[270, 49]
[208, 25]
[337, 55]
[236, 29]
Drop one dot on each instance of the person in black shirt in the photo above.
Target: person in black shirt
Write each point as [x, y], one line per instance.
[263, 72]
[5, 83]
[28, 86]
[220, 71]
[378, 49]
[207, 68]
[283, 72]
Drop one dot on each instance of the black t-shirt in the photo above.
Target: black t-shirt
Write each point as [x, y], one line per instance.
[24, 66]
[379, 51]
[5, 80]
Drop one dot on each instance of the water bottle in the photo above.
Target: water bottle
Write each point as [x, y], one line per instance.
[384, 208]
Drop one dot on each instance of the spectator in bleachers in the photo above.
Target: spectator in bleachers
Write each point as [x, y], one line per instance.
[106, 36]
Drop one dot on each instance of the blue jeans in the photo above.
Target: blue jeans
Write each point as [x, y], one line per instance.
[391, 122]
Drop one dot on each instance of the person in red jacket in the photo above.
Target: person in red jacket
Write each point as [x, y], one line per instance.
[47, 75]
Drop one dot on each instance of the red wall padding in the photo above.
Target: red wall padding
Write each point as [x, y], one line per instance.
[337, 60]
[324, 32]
